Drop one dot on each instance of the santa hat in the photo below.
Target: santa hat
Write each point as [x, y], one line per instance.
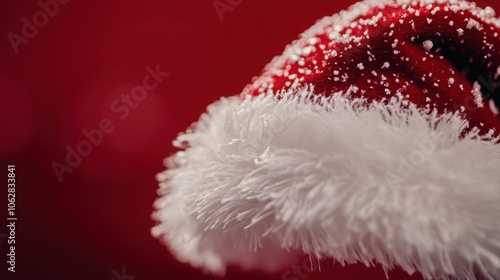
[373, 138]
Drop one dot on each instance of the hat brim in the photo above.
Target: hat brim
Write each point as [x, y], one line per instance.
[332, 177]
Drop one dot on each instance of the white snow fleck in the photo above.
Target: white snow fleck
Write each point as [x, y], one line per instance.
[451, 23]
[460, 31]
[345, 77]
[313, 41]
[360, 66]
[474, 24]
[387, 65]
[395, 44]
[489, 11]
[294, 57]
[451, 81]
[478, 95]
[428, 45]
[307, 50]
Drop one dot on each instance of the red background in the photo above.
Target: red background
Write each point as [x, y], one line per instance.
[64, 80]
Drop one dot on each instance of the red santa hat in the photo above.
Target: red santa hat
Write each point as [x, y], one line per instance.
[372, 138]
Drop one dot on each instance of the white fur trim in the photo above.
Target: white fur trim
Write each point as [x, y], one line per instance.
[332, 177]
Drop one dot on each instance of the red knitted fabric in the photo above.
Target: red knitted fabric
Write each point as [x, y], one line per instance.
[440, 55]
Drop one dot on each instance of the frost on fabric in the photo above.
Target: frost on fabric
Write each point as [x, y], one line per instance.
[297, 171]
[332, 45]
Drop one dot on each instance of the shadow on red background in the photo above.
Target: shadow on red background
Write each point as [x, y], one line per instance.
[94, 218]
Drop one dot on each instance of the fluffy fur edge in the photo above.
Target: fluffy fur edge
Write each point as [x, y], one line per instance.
[332, 177]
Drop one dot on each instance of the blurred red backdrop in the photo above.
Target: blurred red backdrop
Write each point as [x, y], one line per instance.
[95, 218]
